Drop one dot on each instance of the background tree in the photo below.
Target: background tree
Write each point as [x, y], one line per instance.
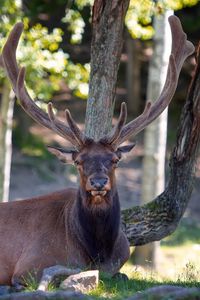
[153, 177]
[9, 9]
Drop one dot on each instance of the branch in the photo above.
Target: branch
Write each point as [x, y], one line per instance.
[159, 218]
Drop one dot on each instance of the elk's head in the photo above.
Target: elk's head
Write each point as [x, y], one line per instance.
[96, 160]
[96, 163]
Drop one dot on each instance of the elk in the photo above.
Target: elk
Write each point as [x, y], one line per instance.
[76, 227]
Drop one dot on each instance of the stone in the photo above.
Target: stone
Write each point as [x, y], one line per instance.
[167, 292]
[40, 295]
[4, 290]
[82, 282]
[55, 274]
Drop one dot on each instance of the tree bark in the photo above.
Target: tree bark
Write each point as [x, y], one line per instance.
[108, 23]
[159, 218]
[153, 175]
[6, 116]
[133, 69]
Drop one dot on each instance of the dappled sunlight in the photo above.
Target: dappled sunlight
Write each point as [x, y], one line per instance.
[141, 279]
[180, 262]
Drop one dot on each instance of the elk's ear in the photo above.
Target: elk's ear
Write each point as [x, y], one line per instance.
[124, 149]
[66, 156]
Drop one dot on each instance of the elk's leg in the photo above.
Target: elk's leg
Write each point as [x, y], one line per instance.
[121, 254]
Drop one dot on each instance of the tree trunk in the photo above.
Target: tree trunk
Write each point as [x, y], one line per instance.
[153, 178]
[133, 68]
[6, 116]
[157, 219]
[108, 23]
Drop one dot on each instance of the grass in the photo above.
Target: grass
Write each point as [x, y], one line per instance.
[139, 280]
[118, 289]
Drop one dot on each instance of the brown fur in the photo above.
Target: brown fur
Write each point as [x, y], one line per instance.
[69, 227]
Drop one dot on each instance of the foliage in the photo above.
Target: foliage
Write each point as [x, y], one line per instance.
[75, 25]
[140, 14]
[39, 51]
[79, 77]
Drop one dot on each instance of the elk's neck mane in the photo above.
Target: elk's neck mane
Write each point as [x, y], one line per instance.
[98, 228]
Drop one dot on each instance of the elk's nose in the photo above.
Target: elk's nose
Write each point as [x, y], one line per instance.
[98, 183]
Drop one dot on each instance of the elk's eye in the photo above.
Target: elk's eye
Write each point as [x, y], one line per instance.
[77, 162]
[115, 163]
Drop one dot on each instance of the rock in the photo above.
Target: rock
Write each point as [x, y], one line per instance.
[40, 295]
[167, 292]
[4, 290]
[55, 274]
[82, 282]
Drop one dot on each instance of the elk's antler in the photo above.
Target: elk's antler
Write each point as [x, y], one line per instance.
[17, 77]
[181, 49]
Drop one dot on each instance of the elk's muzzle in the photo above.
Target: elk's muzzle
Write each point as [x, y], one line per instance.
[98, 185]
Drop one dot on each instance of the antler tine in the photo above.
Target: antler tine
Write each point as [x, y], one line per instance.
[50, 111]
[17, 78]
[112, 138]
[9, 54]
[181, 49]
[74, 128]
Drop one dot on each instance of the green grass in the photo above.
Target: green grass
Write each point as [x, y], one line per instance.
[117, 289]
[139, 280]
